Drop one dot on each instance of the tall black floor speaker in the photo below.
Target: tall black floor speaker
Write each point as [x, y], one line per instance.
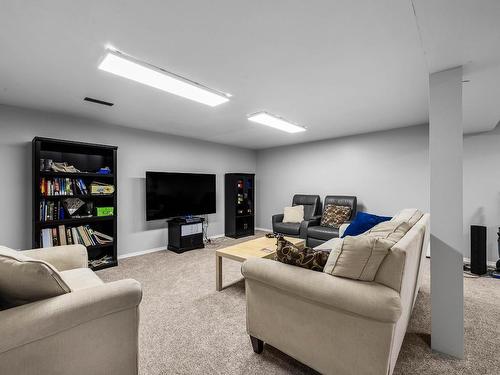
[478, 249]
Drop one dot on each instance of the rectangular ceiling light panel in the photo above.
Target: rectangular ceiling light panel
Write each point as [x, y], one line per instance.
[276, 122]
[135, 70]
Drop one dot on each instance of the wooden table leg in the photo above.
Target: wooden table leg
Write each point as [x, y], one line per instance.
[218, 273]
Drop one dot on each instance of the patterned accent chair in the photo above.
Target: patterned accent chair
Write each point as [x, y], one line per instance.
[318, 234]
[312, 210]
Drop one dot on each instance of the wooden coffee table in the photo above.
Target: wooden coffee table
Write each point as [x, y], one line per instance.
[262, 247]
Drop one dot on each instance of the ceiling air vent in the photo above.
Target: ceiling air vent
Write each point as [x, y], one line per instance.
[97, 101]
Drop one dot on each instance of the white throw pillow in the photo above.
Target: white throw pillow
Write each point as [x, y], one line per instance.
[357, 257]
[294, 214]
[342, 229]
[24, 279]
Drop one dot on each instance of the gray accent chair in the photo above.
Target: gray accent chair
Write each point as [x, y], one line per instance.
[318, 234]
[312, 210]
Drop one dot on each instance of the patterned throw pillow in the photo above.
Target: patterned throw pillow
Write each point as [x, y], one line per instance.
[288, 253]
[334, 216]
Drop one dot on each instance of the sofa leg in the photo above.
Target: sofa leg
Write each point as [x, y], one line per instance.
[257, 345]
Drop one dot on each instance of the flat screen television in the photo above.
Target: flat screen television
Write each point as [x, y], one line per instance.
[179, 194]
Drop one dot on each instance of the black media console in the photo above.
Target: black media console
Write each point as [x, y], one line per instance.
[185, 234]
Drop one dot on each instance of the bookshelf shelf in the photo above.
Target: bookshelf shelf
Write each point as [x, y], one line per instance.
[99, 246]
[75, 175]
[83, 196]
[85, 157]
[78, 220]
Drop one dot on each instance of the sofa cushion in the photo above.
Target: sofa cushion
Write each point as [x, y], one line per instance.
[287, 228]
[322, 233]
[81, 278]
[363, 222]
[333, 215]
[409, 215]
[330, 244]
[342, 228]
[288, 253]
[390, 230]
[357, 257]
[403, 256]
[369, 299]
[25, 280]
[294, 214]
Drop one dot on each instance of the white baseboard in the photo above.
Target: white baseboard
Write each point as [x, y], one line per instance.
[147, 251]
[264, 229]
[142, 252]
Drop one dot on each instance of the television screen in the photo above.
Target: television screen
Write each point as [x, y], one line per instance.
[179, 194]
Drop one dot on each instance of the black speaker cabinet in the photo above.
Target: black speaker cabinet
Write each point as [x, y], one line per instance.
[478, 249]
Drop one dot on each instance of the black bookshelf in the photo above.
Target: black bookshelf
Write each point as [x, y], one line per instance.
[239, 204]
[88, 158]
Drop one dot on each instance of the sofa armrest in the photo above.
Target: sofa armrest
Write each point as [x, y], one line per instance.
[368, 299]
[315, 220]
[63, 258]
[278, 218]
[37, 320]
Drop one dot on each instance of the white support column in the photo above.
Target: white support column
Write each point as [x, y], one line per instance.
[446, 208]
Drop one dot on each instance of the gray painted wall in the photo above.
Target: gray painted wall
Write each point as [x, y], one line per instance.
[386, 170]
[351, 165]
[138, 151]
[482, 187]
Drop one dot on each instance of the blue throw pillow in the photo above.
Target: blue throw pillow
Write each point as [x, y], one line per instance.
[362, 222]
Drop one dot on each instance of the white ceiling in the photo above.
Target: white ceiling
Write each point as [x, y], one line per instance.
[338, 67]
[466, 32]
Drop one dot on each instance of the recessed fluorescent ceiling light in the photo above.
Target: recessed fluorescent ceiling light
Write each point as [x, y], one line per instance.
[131, 68]
[276, 122]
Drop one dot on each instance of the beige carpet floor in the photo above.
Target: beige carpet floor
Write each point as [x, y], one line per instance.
[189, 328]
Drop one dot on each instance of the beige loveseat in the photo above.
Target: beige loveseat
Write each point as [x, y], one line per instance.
[92, 328]
[337, 325]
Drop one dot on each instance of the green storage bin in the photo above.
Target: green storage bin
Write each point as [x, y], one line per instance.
[105, 211]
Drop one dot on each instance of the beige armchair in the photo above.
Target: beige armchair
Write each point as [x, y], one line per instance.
[93, 329]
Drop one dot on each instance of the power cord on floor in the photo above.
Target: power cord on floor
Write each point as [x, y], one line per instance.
[206, 239]
[469, 275]
[216, 243]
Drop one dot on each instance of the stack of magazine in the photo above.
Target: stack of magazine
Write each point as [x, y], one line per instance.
[100, 188]
[106, 259]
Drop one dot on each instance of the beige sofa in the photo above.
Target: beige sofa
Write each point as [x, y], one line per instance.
[337, 325]
[93, 329]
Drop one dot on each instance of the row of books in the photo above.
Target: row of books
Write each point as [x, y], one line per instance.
[63, 235]
[62, 186]
[50, 210]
